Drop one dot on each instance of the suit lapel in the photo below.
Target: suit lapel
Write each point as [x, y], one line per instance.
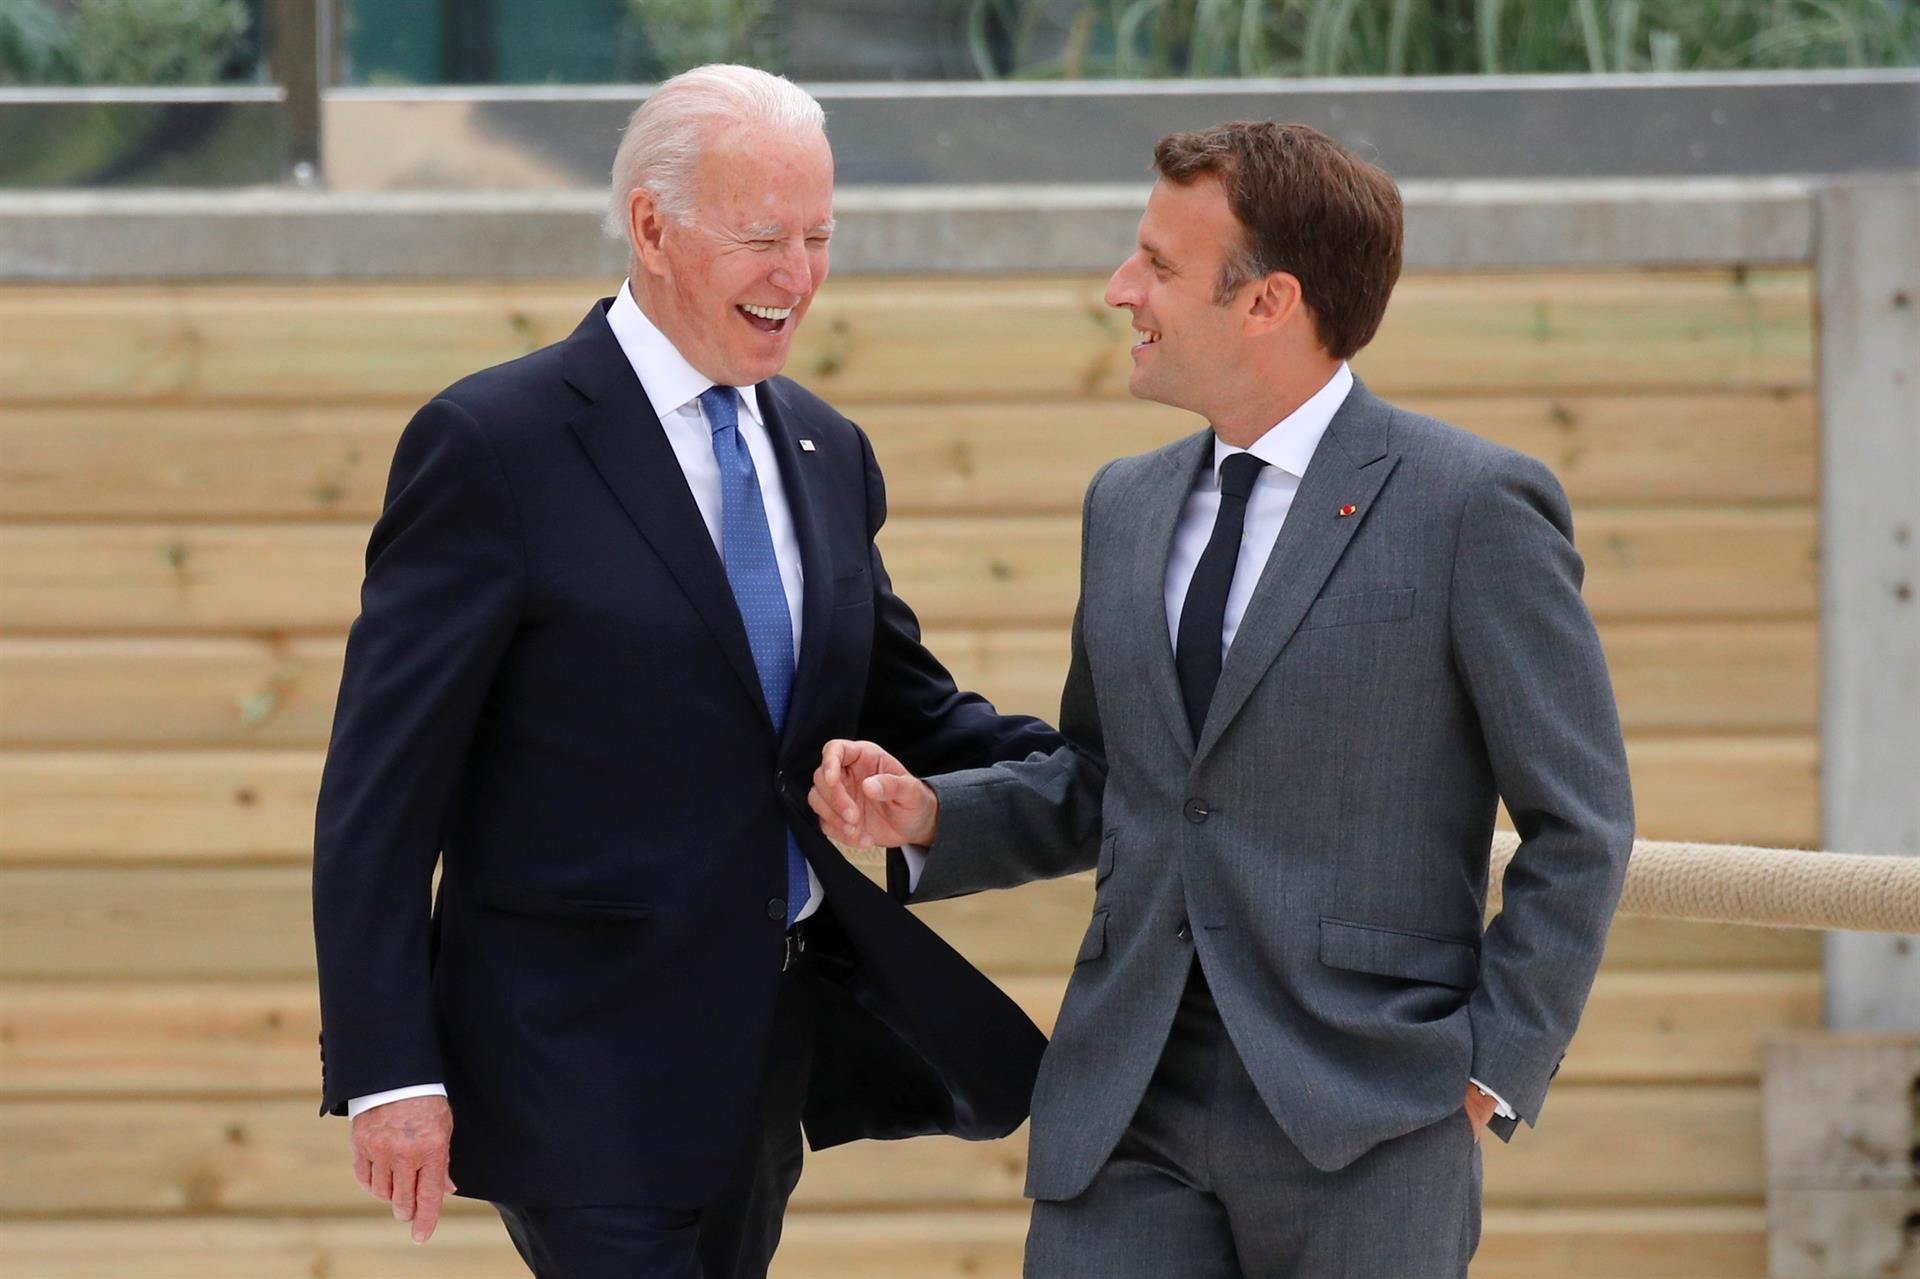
[628, 446]
[1157, 507]
[1348, 469]
[800, 475]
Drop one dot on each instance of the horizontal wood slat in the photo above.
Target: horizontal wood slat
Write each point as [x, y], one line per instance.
[1693, 677]
[131, 1037]
[1594, 1146]
[1762, 791]
[299, 462]
[1569, 1243]
[185, 691]
[258, 805]
[1012, 571]
[253, 922]
[95, 806]
[245, 804]
[895, 339]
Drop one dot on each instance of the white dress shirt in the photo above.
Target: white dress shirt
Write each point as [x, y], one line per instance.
[673, 387]
[1286, 448]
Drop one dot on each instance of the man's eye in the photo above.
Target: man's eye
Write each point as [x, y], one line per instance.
[817, 241]
[761, 246]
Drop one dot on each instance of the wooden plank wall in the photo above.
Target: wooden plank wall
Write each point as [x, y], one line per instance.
[186, 479]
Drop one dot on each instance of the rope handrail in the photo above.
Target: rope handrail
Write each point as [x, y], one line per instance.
[1765, 887]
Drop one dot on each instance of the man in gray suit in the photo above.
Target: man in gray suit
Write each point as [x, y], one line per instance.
[1315, 645]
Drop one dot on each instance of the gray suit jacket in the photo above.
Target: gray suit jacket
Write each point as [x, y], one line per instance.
[1324, 845]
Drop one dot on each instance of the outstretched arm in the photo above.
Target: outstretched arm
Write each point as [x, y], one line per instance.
[1018, 820]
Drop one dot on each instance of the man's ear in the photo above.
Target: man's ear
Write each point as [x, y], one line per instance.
[1273, 301]
[646, 226]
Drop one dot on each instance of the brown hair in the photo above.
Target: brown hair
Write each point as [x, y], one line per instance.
[1308, 207]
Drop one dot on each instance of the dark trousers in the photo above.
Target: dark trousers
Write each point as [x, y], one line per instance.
[1205, 1185]
[733, 1236]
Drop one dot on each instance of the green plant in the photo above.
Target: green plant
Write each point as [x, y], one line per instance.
[155, 41]
[34, 44]
[1444, 37]
[135, 42]
[690, 33]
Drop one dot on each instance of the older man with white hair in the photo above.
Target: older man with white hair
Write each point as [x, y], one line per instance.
[622, 592]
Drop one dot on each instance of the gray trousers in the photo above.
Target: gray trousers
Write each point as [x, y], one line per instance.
[1205, 1185]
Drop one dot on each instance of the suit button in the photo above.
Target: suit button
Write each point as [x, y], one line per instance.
[1185, 933]
[776, 908]
[1197, 811]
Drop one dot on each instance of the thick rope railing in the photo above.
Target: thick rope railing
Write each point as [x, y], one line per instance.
[1768, 887]
[1736, 884]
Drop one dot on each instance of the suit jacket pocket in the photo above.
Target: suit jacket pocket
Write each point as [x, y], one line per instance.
[1094, 944]
[852, 589]
[1354, 610]
[517, 899]
[1391, 952]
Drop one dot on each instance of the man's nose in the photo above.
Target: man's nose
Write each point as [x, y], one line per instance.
[1120, 290]
[793, 273]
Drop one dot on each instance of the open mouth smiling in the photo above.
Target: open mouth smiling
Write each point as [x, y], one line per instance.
[768, 319]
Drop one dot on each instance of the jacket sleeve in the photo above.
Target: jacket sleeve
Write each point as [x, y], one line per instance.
[444, 580]
[1033, 818]
[1526, 649]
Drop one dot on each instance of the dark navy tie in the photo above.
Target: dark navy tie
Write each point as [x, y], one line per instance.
[746, 545]
[1203, 617]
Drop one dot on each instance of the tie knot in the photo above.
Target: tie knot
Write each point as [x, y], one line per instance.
[721, 405]
[1237, 474]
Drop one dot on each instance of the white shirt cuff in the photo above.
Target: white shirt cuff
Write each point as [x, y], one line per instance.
[916, 855]
[1500, 1106]
[359, 1105]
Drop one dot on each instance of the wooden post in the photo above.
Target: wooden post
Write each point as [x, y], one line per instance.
[1868, 263]
[1843, 1156]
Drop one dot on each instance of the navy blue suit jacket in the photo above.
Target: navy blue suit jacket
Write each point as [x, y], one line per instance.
[549, 690]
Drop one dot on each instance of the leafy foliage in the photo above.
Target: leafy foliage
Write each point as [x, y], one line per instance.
[34, 44]
[690, 33]
[1205, 38]
[127, 42]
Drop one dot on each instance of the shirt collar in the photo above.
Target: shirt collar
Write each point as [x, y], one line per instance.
[1289, 443]
[669, 381]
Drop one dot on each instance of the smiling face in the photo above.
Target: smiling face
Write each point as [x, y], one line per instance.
[729, 284]
[1187, 343]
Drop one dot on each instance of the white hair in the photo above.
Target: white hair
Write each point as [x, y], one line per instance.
[661, 148]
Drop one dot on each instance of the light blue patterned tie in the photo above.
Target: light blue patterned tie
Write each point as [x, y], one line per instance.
[746, 544]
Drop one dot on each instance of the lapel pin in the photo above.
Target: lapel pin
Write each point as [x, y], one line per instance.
[806, 446]
[1347, 510]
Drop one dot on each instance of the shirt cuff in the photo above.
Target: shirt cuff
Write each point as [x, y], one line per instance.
[1500, 1106]
[359, 1105]
[916, 857]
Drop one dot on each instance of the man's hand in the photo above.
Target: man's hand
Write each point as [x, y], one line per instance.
[1480, 1110]
[866, 797]
[400, 1155]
